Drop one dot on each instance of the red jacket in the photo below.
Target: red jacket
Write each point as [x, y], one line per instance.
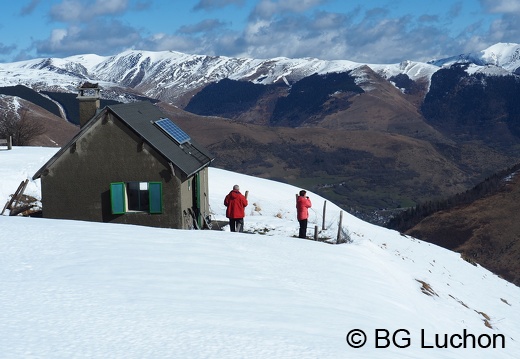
[235, 203]
[302, 207]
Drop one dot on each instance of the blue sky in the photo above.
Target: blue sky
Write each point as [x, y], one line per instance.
[371, 31]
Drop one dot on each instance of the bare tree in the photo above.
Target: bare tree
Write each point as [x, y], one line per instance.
[7, 123]
[22, 130]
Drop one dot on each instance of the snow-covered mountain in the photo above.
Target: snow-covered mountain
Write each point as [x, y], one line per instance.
[164, 75]
[170, 75]
[74, 289]
[501, 58]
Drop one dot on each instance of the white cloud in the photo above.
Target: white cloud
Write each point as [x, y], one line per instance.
[215, 4]
[57, 36]
[291, 28]
[101, 37]
[81, 10]
[269, 8]
[502, 6]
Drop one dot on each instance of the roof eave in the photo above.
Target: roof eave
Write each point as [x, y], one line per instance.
[67, 146]
[199, 169]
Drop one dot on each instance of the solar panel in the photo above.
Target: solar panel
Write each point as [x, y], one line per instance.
[173, 130]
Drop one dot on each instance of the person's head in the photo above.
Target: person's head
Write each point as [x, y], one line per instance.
[236, 188]
[303, 193]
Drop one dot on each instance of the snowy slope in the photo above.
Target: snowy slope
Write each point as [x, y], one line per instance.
[75, 289]
[506, 55]
[498, 59]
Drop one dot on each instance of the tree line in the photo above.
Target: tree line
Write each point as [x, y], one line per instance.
[412, 216]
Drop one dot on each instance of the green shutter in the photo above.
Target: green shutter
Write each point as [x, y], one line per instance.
[155, 193]
[118, 197]
[197, 199]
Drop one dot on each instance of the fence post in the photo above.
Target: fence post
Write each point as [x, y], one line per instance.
[315, 233]
[339, 227]
[9, 142]
[324, 208]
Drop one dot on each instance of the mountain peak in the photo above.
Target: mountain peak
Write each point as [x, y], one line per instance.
[503, 55]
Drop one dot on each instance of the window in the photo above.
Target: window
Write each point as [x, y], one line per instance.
[136, 197]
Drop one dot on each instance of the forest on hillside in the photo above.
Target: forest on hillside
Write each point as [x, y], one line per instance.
[412, 216]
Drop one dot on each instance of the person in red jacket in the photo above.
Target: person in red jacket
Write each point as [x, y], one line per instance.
[235, 203]
[303, 203]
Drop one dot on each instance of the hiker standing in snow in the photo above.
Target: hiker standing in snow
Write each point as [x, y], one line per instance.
[235, 203]
[303, 203]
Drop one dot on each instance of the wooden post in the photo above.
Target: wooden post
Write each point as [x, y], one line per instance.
[9, 205]
[315, 233]
[19, 194]
[10, 143]
[324, 209]
[245, 195]
[339, 227]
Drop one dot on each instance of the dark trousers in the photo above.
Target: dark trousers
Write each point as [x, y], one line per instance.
[236, 224]
[303, 228]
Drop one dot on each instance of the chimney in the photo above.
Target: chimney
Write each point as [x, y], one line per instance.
[88, 96]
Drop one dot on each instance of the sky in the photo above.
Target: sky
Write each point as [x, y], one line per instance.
[77, 289]
[369, 31]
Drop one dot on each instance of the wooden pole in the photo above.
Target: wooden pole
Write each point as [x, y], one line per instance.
[324, 209]
[10, 143]
[14, 198]
[339, 227]
[245, 195]
[315, 233]
[19, 194]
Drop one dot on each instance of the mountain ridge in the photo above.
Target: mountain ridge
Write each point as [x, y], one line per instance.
[388, 107]
[140, 69]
